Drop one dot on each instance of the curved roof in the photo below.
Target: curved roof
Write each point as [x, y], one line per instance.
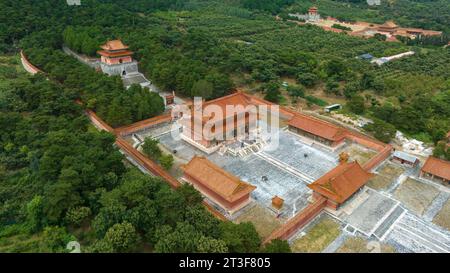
[114, 45]
[237, 99]
[226, 185]
[318, 127]
[277, 202]
[389, 24]
[437, 167]
[115, 54]
[341, 182]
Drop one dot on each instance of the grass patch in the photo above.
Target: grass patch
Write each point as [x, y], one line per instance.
[443, 217]
[20, 243]
[379, 182]
[315, 100]
[385, 177]
[92, 129]
[391, 170]
[415, 195]
[359, 245]
[359, 153]
[264, 221]
[318, 237]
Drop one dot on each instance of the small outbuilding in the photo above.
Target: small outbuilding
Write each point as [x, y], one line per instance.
[405, 159]
[366, 57]
[277, 203]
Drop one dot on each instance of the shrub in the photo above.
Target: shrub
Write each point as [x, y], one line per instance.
[76, 216]
[166, 161]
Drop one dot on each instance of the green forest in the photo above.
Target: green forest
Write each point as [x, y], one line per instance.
[61, 179]
[427, 14]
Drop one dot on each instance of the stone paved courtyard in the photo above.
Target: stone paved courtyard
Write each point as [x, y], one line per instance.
[286, 170]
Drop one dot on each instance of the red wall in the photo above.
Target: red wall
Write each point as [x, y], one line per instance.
[126, 59]
[27, 65]
[298, 221]
[377, 159]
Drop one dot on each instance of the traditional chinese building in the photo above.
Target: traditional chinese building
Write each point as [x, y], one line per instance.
[340, 184]
[436, 169]
[116, 59]
[207, 130]
[313, 14]
[317, 130]
[388, 27]
[219, 186]
[391, 30]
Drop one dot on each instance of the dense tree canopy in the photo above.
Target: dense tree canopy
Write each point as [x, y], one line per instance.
[207, 48]
[60, 177]
[428, 14]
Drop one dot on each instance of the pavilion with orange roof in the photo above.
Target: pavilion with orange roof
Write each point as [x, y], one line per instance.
[436, 169]
[318, 130]
[219, 186]
[231, 125]
[340, 184]
[116, 58]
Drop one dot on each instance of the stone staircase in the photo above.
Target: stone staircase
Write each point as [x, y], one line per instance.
[245, 151]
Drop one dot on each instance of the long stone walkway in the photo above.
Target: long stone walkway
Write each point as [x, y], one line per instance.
[412, 234]
[286, 167]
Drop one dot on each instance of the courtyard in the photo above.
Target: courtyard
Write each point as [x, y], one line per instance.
[442, 218]
[359, 153]
[264, 220]
[391, 205]
[370, 213]
[317, 235]
[415, 195]
[285, 171]
[386, 175]
[411, 234]
[362, 245]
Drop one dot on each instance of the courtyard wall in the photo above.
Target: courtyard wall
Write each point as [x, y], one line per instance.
[298, 221]
[29, 67]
